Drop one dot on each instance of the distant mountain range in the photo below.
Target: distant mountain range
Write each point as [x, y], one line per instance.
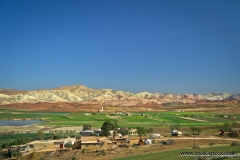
[83, 94]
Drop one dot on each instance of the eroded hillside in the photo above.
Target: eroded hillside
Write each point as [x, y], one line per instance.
[85, 95]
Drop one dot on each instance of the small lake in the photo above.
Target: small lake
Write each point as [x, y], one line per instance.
[19, 122]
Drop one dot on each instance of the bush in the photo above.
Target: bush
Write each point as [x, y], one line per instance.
[123, 131]
[211, 144]
[101, 153]
[17, 154]
[186, 134]
[233, 133]
[5, 146]
[78, 136]
[72, 135]
[84, 151]
[195, 146]
[68, 145]
[235, 143]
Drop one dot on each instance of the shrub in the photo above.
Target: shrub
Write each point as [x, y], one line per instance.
[186, 134]
[84, 151]
[233, 133]
[78, 136]
[195, 146]
[68, 145]
[235, 143]
[101, 153]
[211, 144]
[17, 154]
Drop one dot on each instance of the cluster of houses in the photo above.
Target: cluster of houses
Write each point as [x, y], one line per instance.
[87, 141]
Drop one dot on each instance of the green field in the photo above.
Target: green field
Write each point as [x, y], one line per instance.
[149, 119]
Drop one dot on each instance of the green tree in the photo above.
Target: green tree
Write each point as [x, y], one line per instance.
[175, 126]
[40, 135]
[150, 130]
[141, 131]
[5, 146]
[196, 130]
[78, 136]
[225, 127]
[123, 131]
[68, 145]
[13, 142]
[115, 127]
[87, 126]
[106, 127]
[233, 133]
[193, 129]
[234, 125]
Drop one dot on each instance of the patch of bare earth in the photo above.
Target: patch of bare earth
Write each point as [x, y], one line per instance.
[193, 119]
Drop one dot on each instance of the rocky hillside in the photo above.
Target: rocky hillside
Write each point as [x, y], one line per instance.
[83, 94]
[215, 96]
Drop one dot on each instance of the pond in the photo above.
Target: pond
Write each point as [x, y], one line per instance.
[19, 122]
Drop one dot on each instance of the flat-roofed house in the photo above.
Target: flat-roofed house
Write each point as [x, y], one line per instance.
[86, 132]
[40, 145]
[48, 144]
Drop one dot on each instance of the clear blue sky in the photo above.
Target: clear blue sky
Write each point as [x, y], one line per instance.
[174, 46]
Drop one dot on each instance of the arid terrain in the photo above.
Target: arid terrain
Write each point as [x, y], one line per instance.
[107, 97]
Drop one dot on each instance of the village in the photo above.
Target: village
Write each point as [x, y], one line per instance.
[87, 140]
[108, 139]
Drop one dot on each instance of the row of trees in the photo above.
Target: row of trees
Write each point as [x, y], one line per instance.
[108, 126]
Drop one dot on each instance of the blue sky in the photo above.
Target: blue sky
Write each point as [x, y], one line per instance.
[187, 46]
